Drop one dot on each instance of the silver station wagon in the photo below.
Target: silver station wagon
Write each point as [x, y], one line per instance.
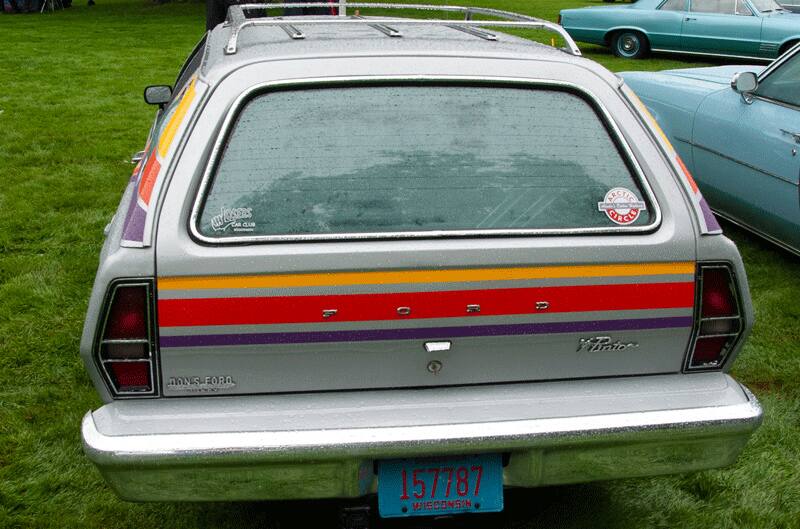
[416, 258]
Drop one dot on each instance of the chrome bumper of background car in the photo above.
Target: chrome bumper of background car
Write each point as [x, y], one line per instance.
[168, 457]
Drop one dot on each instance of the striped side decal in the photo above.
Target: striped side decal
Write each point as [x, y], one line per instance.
[137, 228]
[426, 333]
[373, 307]
[708, 223]
[253, 307]
[422, 276]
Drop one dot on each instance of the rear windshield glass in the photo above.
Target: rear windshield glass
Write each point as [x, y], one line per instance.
[418, 158]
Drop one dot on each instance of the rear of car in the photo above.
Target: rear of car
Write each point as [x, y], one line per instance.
[364, 261]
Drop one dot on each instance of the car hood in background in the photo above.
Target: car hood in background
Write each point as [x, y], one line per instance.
[719, 75]
[595, 8]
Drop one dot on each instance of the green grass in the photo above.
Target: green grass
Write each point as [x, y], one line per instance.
[70, 116]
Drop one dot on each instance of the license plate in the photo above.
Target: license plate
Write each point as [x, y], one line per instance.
[440, 485]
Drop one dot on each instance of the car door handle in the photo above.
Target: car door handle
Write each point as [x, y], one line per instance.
[795, 135]
[689, 18]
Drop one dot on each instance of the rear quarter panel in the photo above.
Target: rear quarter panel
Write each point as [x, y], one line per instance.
[592, 24]
[595, 25]
[115, 261]
[780, 31]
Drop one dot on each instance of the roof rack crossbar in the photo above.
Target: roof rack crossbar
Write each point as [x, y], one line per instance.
[235, 17]
[292, 31]
[386, 30]
[474, 31]
[238, 20]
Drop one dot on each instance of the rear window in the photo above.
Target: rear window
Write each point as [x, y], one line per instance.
[418, 160]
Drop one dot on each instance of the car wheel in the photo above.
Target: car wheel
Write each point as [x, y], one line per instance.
[630, 45]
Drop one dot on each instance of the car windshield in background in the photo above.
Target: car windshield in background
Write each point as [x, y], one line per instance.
[418, 158]
[766, 6]
[783, 84]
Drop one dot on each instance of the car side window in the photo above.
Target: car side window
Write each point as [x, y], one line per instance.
[742, 9]
[783, 84]
[673, 5]
[718, 7]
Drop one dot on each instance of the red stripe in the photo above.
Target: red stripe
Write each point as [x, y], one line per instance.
[149, 175]
[366, 307]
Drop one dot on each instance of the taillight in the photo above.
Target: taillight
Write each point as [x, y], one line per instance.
[718, 322]
[126, 346]
[559, 19]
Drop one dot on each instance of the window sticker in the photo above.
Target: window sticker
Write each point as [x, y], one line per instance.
[621, 206]
[234, 218]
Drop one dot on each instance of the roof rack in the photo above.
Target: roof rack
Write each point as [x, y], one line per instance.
[238, 19]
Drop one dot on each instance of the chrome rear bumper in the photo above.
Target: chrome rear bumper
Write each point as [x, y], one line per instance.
[325, 445]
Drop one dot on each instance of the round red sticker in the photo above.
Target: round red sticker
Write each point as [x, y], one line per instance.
[621, 206]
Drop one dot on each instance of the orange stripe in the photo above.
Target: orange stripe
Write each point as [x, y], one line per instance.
[149, 176]
[422, 276]
[687, 174]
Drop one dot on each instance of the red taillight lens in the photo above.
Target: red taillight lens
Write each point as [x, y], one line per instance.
[125, 350]
[718, 300]
[720, 321]
[127, 318]
[131, 376]
[559, 19]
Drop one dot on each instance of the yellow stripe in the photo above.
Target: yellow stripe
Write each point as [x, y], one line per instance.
[175, 121]
[643, 108]
[421, 276]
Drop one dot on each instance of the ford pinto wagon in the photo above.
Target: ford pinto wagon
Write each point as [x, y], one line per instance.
[416, 258]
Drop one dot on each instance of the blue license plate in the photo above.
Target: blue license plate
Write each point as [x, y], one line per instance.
[440, 485]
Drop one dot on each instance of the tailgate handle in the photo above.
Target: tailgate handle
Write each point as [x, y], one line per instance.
[435, 347]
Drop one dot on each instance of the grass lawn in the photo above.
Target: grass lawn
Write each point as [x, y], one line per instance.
[71, 114]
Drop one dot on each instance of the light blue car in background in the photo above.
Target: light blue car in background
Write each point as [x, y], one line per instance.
[757, 29]
[737, 128]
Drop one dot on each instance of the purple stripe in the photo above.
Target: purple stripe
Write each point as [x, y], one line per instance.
[712, 226]
[268, 338]
[133, 230]
[131, 207]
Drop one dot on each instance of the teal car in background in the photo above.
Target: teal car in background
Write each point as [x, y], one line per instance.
[737, 129]
[756, 29]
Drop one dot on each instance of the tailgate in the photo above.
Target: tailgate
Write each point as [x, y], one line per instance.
[466, 246]
[316, 331]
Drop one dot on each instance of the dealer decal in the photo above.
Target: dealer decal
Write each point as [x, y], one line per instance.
[204, 384]
[621, 206]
